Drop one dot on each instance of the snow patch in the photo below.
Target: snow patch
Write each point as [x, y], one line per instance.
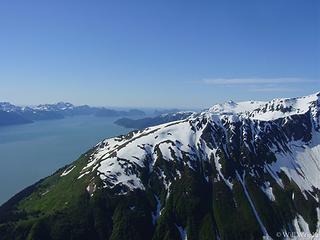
[67, 171]
[301, 164]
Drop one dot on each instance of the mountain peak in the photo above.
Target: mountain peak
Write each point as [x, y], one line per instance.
[267, 110]
[285, 107]
[231, 107]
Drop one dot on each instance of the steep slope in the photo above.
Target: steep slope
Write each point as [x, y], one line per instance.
[247, 170]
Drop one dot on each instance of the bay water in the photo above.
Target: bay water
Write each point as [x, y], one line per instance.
[30, 152]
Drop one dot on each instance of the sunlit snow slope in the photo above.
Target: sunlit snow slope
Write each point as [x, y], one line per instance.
[274, 142]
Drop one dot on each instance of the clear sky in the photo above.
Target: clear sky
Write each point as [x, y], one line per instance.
[158, 53]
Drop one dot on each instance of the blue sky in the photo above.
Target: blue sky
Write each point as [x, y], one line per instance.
[164, 53]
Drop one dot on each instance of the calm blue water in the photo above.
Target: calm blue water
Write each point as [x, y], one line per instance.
[33, 151]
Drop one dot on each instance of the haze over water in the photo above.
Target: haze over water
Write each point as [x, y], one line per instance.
[32, 151]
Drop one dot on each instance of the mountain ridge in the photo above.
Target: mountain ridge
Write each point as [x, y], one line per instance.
[224, 173]
[212, 115]
[28, 114]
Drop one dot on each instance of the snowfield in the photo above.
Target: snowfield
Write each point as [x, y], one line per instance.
[117, 159]
[200, 137]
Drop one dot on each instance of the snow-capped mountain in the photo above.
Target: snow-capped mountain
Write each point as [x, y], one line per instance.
[26, 114]
[225, 128]
[60, 106]
[8, 107]
[248, 170]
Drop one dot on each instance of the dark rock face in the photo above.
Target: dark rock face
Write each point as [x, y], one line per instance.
[220, 174]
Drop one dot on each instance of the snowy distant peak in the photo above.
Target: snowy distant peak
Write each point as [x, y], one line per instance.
[60, 106]
[60, 110]
[265, 111]
[7, 107]
[64, 105]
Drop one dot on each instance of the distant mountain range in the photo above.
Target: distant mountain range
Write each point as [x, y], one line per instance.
[11, 114]
[152, 121]
[247, 170]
